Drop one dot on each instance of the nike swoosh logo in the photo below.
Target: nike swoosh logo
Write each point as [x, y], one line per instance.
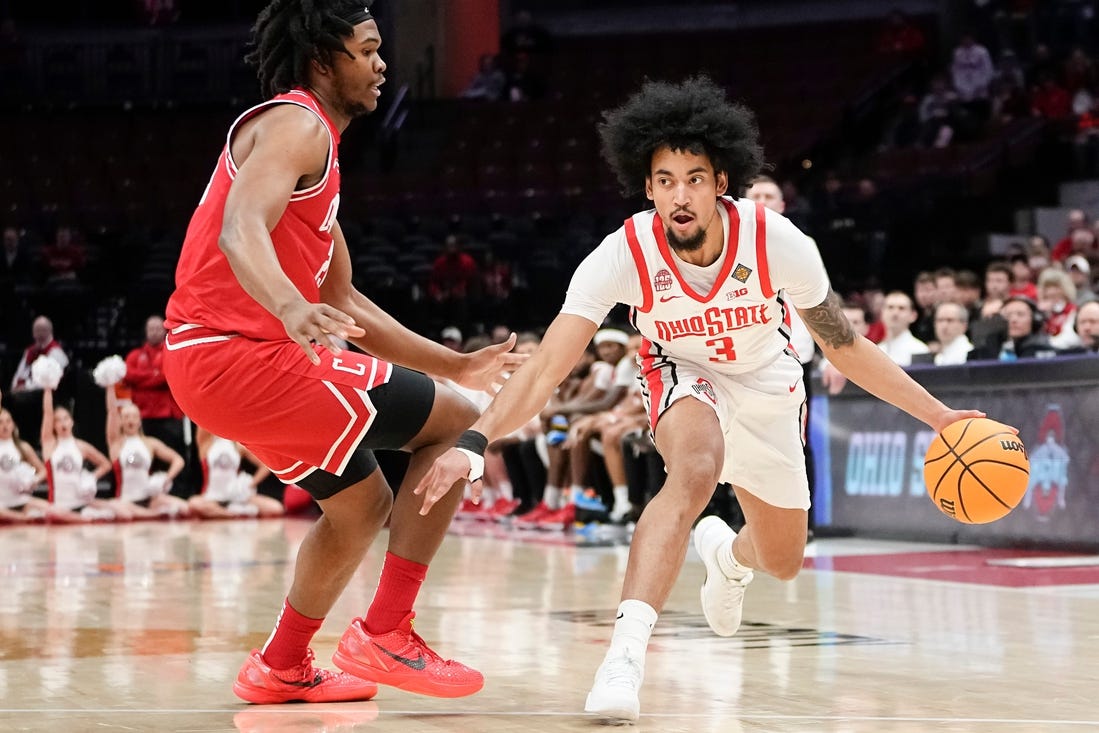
[317, 679]
[793, 387]
[666, 298]
[418, 663]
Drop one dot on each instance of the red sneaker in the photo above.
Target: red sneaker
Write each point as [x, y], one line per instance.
[401, 658]
[468, 510]
[530, 519]
[560, 519]
[258, 683]
[504, 508]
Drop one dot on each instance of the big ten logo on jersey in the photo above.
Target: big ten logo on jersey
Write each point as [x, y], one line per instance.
[703, 387]
[886, 463]
[734, 294]
[662, 281]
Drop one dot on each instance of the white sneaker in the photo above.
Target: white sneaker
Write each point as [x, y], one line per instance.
[722, 597]
[614, 694]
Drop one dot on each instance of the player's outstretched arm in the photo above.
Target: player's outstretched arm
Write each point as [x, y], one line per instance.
[387, 339]
[869, 367]
[521, 398]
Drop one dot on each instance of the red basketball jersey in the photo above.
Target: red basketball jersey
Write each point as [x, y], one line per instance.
[207, 292]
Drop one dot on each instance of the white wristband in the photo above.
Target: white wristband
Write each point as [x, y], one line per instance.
[476, 464]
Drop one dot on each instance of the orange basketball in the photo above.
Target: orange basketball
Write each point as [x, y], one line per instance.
[976, 470]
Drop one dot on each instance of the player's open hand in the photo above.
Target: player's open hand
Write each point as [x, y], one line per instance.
[307, 322]
[449, 472]
[487, 369]
[950, 417]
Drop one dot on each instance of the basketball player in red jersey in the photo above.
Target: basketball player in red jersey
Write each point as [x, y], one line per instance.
[711, 280]
[263, 289]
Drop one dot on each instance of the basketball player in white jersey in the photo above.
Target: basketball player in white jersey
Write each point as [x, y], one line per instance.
[72, 488]
[227, 491]
[20, 470]
[143, 493]
[711, 280]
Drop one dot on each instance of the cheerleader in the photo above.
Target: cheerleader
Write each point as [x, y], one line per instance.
[226, 490]
[72, 488]
[20, 471]
[132, 452]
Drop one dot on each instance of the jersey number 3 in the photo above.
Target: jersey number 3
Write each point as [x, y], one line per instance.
[723, 349]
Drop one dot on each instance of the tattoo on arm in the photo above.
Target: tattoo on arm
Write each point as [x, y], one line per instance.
[829, 323]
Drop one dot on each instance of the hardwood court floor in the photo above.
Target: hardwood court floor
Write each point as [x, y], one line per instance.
[142, 628]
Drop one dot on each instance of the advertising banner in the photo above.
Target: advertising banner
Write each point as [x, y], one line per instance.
[869, 467]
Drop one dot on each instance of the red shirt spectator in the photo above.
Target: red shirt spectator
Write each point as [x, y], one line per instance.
[454, 273]
[1051, 100]
[148, 388]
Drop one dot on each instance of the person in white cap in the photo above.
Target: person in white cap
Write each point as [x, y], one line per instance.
[1079, 271]
[709, 277]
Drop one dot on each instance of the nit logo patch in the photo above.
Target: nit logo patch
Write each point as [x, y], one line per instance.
[662, 281]
[742, 273]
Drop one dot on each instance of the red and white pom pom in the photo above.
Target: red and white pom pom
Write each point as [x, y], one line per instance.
[241, 489]
[24, 478]
[46, 373]
[87, 487]
[109, 371]
[159, 483]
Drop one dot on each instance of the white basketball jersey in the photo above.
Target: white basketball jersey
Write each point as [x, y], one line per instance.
[132, 469]
[65, 466]
[10, 480]
[739, 325]
[222, 465]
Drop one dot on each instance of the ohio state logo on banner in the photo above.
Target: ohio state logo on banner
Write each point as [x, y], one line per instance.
[1049, 461]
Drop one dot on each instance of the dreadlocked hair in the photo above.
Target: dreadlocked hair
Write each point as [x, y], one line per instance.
[290, 34]
[693, 116]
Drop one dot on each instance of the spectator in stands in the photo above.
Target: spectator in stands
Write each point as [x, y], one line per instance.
[1023, 283]
[17, 266]
[495, 290]
[951, 322]
[161, 417]
[1050, 100]
[451, 338]
[1085, 144]
[524, 83]
[900, 37]
[1057, 301]
[1079, 71]
[971, 71]
[527, 38]
[489, 82]
[1007, 102]
[898, 315]
[798, 208]
[938, 114]
[1087, 326]
[926, 297]
[1076, 220]
[453, 278]
[856, 315]
[44, 344]
[946, 286]
[65, 257]
[873, 299]
[1079, 271]
[1024, 336]
[968, 288]
[989, 329]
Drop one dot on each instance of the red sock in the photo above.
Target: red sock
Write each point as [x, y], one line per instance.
[286, 646]
[397, 591]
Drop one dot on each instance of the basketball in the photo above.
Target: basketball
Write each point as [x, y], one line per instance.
[976, 470]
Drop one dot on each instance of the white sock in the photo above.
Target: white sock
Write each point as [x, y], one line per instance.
[729, 565]
[633, 628]
[621, 499]
[552, 497]
[576, 493]
[506, 491]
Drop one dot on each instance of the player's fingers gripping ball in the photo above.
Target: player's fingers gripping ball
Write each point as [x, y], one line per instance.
[976, 470]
